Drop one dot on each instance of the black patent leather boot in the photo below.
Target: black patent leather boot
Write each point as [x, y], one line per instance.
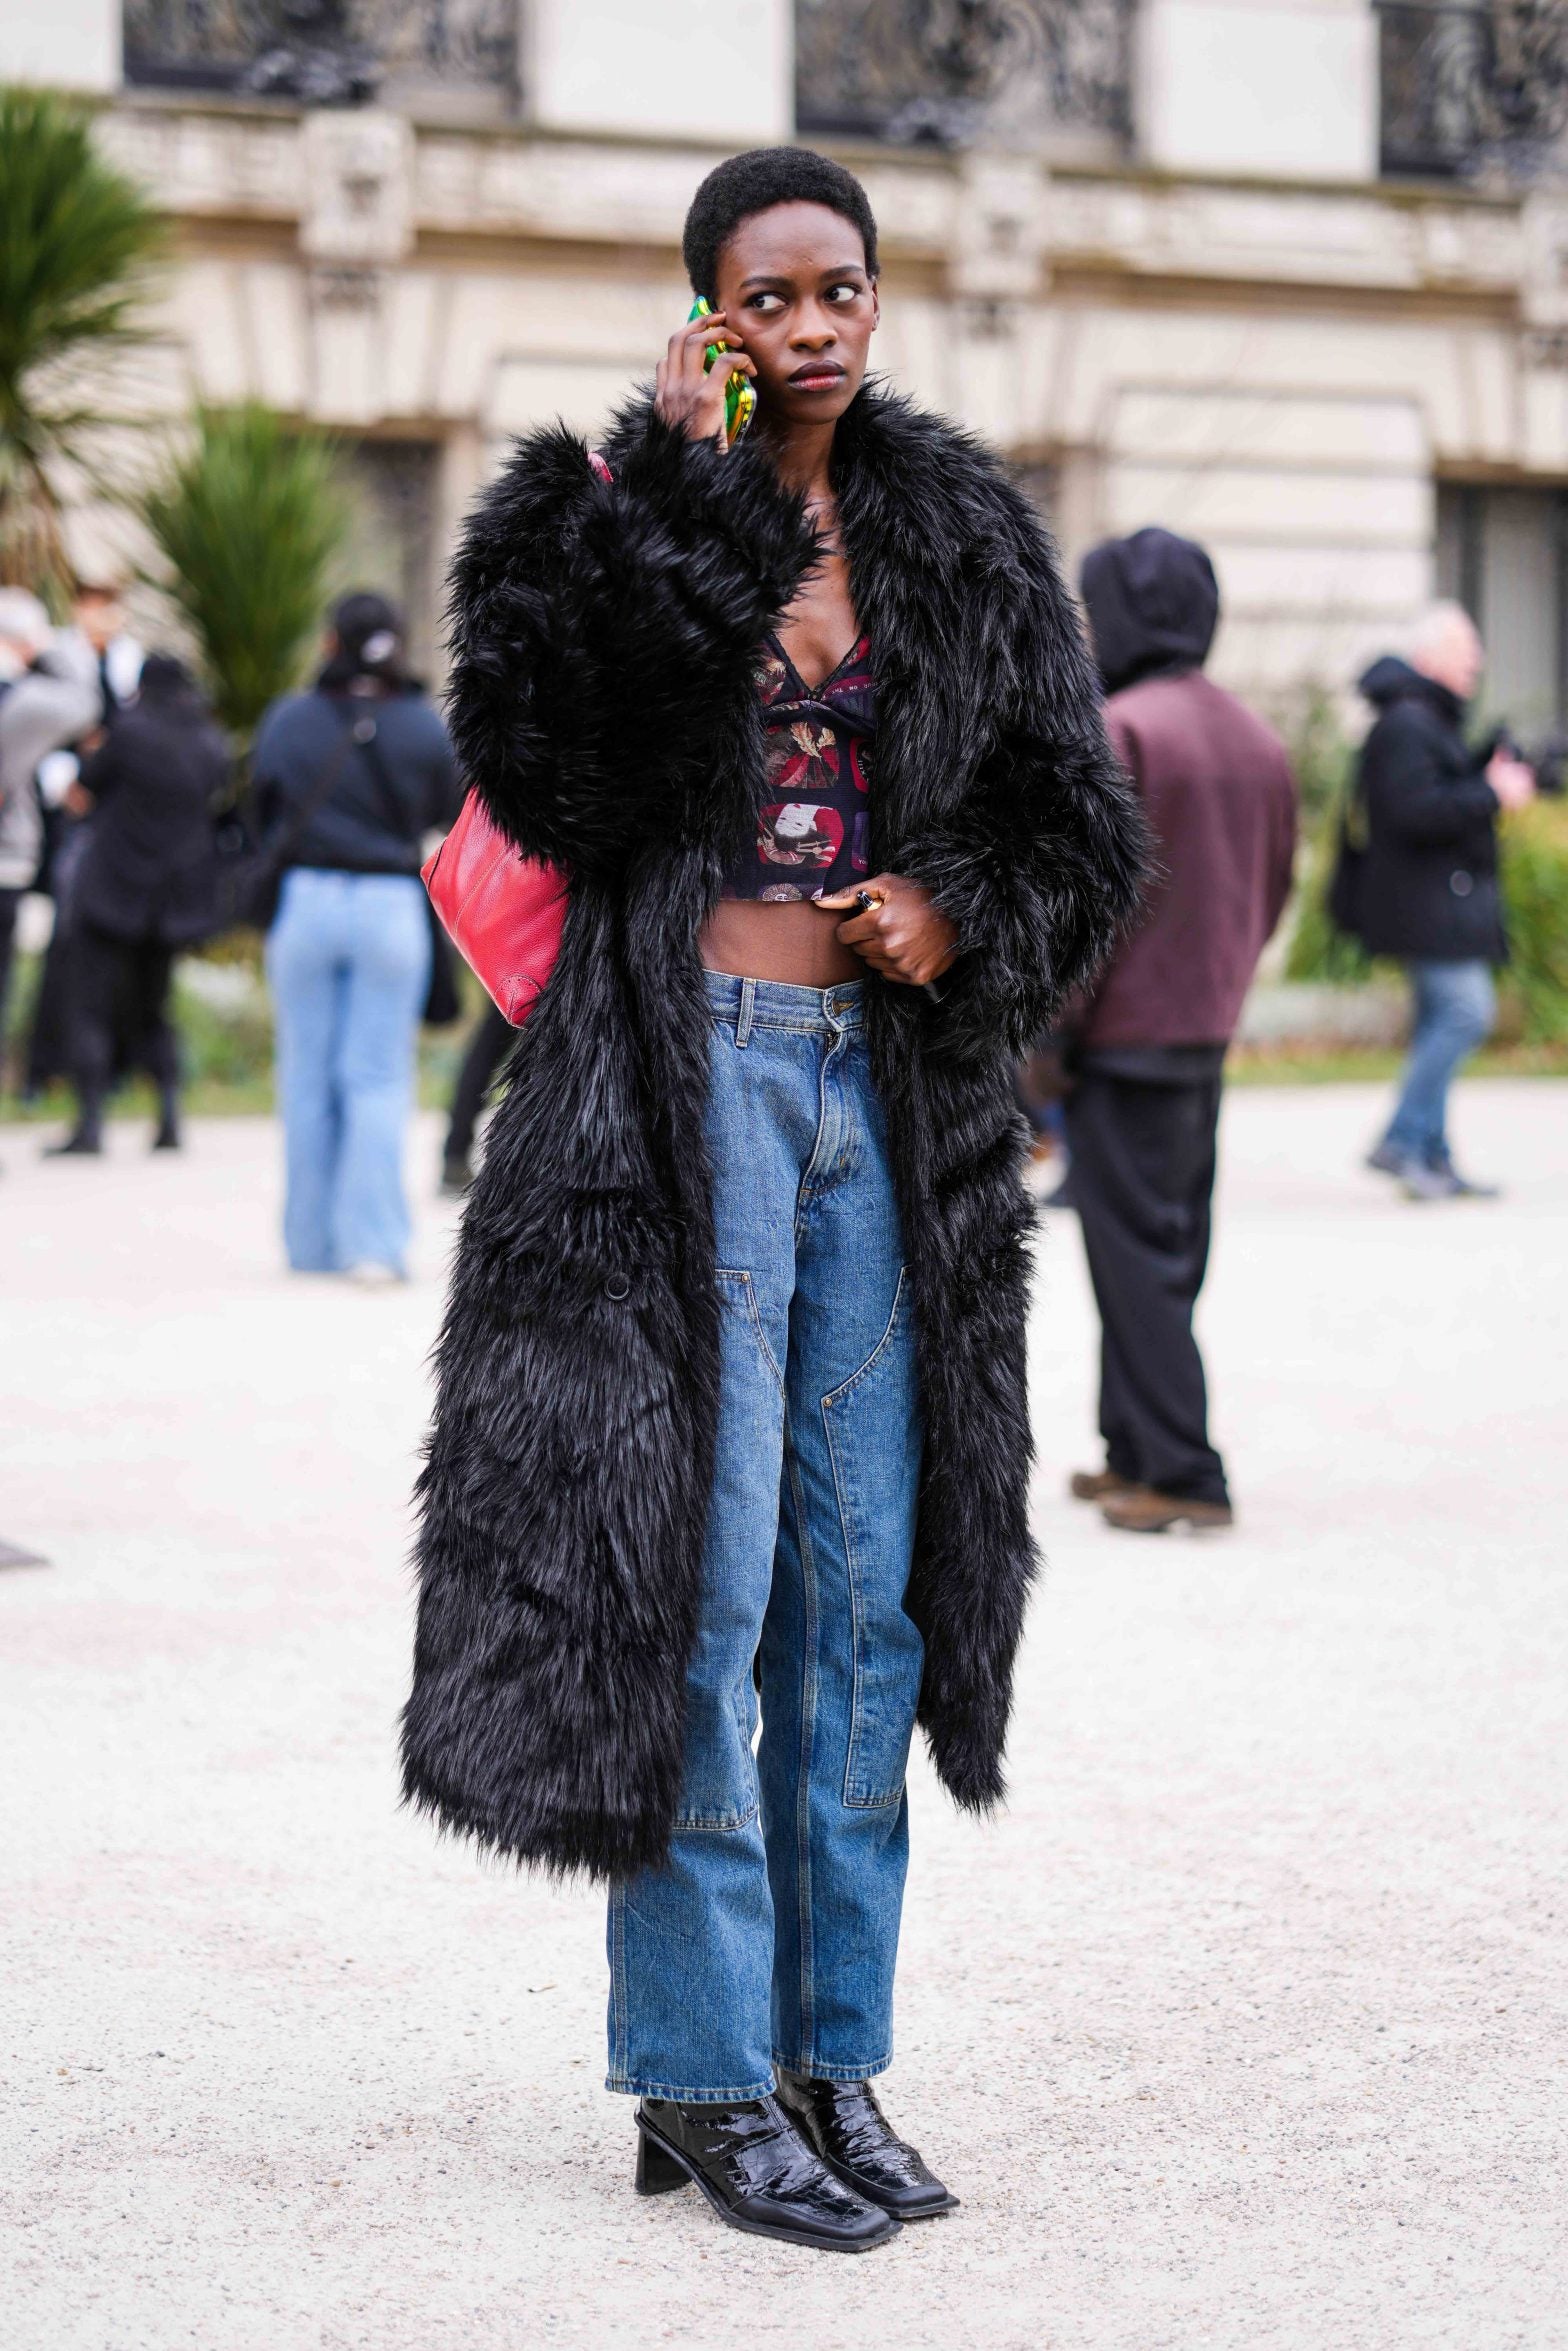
[757, 2172]
[854, 2138]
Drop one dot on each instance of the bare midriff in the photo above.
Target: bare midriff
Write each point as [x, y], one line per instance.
[797, 943]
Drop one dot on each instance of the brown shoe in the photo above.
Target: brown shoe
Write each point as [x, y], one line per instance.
[1140, 1510]
[1093, 1485]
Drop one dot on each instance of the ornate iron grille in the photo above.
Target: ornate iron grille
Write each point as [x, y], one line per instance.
[1473, 87]
[323, 52]
[957, 72]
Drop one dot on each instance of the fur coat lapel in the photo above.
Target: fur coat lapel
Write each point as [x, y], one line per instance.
[603, 699]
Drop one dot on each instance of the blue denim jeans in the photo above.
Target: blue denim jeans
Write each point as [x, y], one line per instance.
[1455, 1004]
[770, 1936]
[348, 959]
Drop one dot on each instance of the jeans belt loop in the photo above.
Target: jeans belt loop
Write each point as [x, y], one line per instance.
[748, 998]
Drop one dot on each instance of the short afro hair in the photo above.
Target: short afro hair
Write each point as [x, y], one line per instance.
[755, 182]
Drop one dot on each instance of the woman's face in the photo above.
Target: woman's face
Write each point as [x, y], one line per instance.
[793, 281]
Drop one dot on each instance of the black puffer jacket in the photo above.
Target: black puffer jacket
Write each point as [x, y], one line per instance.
[1428, 887]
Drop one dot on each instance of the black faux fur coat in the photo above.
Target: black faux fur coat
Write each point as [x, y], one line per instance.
[603, 700]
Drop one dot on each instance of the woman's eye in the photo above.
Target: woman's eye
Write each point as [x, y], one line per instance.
[842, 294]
[766, 303]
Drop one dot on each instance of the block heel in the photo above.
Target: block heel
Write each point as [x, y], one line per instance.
[657, 2171]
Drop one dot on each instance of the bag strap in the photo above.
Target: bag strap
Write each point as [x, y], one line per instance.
[392, 805]
[289, 839]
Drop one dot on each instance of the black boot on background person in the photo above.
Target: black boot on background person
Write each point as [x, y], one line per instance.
[757, 2171]
[168, 1137]
[854, 2138]
[85, 1141]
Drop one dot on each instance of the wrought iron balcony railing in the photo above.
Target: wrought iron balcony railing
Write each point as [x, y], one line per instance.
[956, 72]
[1473, 88]
[323, 52]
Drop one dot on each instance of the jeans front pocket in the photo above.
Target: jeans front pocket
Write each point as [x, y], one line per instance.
[873, 1434]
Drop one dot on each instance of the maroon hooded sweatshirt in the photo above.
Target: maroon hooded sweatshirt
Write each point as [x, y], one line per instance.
[1217, 791]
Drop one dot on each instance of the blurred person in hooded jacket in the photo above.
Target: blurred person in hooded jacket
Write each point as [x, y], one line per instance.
[1418, 879]
[1149, 1043]
[145, 888]
[349, 779]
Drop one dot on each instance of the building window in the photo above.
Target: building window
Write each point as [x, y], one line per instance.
[1021, 73]
[1472, 89]
[325, 52]
[1503, 554]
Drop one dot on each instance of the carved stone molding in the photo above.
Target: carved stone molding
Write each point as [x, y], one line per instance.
[358, 188]
[340, 286]
[1545, 272]
[996, 253]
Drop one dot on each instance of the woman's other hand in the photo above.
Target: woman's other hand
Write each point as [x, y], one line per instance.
[903, 934]
[689, 396]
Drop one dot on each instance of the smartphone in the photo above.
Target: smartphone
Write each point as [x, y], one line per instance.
[740, 394]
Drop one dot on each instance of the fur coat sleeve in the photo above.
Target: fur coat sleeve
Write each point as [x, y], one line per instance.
[1045, 859]
[590, 614]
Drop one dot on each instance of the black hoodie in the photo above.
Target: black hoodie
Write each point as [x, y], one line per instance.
[1153, 604]
[1428, 886]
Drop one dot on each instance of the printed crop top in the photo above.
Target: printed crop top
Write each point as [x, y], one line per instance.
[813, 828]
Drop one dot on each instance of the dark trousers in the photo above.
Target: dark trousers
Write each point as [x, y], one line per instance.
[10, 907]
[488, 1047]
[120, 1016]
[49, 1039]
[1143, 1183]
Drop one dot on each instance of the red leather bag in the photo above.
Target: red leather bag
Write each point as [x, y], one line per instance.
[503, 912]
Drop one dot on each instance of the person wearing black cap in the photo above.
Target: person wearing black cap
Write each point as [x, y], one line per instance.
[349, 778]
[1150, 1039]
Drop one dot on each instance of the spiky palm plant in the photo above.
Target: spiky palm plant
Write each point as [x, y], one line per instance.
[249, 520]
[77, 241]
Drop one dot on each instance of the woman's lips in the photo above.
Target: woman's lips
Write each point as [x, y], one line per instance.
[817, 379]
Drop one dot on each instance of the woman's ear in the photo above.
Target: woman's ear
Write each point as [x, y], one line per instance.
[876, 305]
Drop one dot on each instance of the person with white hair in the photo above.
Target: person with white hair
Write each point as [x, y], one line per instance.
[49, 696]
[1418, 879]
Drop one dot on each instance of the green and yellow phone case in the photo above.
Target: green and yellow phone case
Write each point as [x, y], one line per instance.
[740, 393]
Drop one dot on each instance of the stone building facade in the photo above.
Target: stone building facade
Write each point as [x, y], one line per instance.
[1288, 275]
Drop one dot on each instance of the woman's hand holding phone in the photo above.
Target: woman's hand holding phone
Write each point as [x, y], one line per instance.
[897, 928]
[689, 395]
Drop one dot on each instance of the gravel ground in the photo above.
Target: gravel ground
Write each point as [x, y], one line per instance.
[1243, 2028]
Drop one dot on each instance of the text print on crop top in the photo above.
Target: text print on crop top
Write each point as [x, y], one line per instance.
[813, 827]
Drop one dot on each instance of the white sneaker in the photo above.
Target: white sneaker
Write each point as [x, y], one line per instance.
[373, 1276]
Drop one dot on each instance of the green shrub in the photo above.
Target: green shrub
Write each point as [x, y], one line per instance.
[1323, 760]
[249, 520]
[1535, 890]
[76, 255]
